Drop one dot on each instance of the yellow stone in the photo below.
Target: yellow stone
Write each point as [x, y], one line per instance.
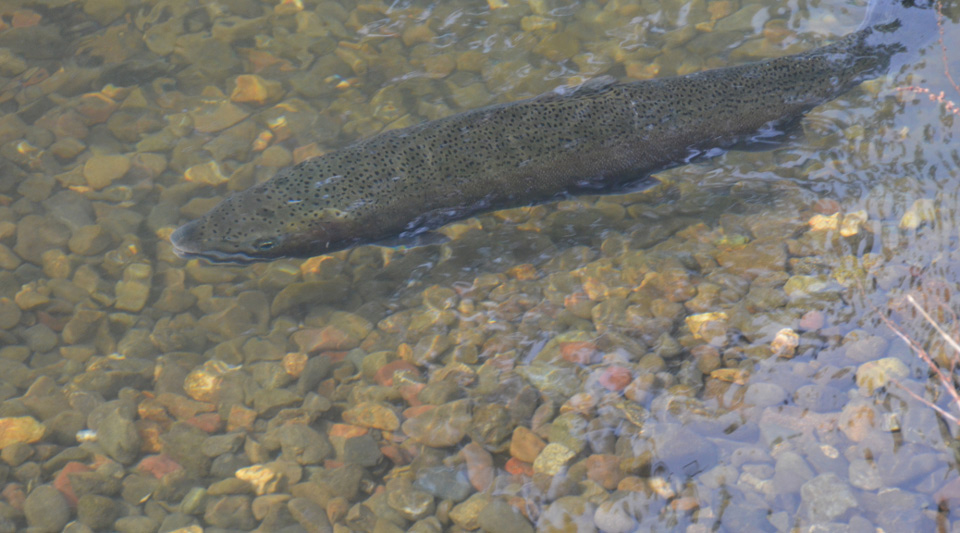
[264, 479]
[254, 89]
[708, 326]
[553, 458]
[824, 222]
[661, 486]
[372, 415]
[102, 170]
[873, 375]
[785, 343]
[20, 429]
[852, 222]
[731, 375]
[203, 384]
[921, 211]
[206, 173]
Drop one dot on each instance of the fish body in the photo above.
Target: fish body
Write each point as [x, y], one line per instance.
[594, 138]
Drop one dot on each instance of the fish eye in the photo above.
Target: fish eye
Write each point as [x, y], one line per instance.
[264, 245]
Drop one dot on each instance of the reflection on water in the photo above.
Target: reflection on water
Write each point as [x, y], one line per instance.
[702, 354]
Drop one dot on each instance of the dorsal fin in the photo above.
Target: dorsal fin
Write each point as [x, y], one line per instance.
[591, 86]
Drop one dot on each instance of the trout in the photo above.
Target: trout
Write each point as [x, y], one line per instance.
[396, 186]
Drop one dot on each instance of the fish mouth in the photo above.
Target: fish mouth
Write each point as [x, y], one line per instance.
[185, 246]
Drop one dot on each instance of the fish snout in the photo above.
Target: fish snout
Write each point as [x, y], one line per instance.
[185, 239]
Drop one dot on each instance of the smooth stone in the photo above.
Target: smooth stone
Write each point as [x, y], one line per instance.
[553, 458]
[360, 449]
[618, 513]
[466, 513]
[230, 512]
[500, 517]
[444, 482]
[96, 512]
[442, 426]
[213, 117]
[375, 415]
[20, 429]
[826, 498]
[10, 313]
[819, 398]
[412, 504]
[119, 437]
[862, 350]
[40, 338]
[102, 170]
[865, 475]
[764, 394]
[681, 450]
[311, 516]
[791, 472]
[303, 445]
[873, 375]
[46, 510]
[569, 513]
[136, 524]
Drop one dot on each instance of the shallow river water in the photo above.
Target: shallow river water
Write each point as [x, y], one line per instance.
[707, 353]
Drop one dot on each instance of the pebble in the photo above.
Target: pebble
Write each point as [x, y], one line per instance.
[466, 514]
[118, 436]
[309, 515]
[479, 462]
[617, 514]
[826, 498]
[497, 516]
[444, 482]
[216, 116]
[262, 478]
[20, 429]
[441, 426]
[615, 378]
[764, 394]
[303, 444]
[864, 475]
[412, 504]
[9, 313]
[857, 421]
[250, 88]
[102, 170]
[568, 513]
[525, 445]
[97, 512]
[873, 375]
[553, 458]
[372, 415]
[46, 510]
[354, 444]
[790, 473]
[230, 512]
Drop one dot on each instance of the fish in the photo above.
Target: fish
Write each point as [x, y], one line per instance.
[602, 136]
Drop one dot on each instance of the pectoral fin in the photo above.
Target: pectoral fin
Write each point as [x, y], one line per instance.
[406, 242]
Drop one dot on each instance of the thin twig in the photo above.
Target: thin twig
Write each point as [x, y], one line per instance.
[923, 355]
[928, 403]
[943, 48]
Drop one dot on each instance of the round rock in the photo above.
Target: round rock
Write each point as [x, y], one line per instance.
[46, 510]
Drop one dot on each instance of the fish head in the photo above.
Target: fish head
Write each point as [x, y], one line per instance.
[257, 225]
